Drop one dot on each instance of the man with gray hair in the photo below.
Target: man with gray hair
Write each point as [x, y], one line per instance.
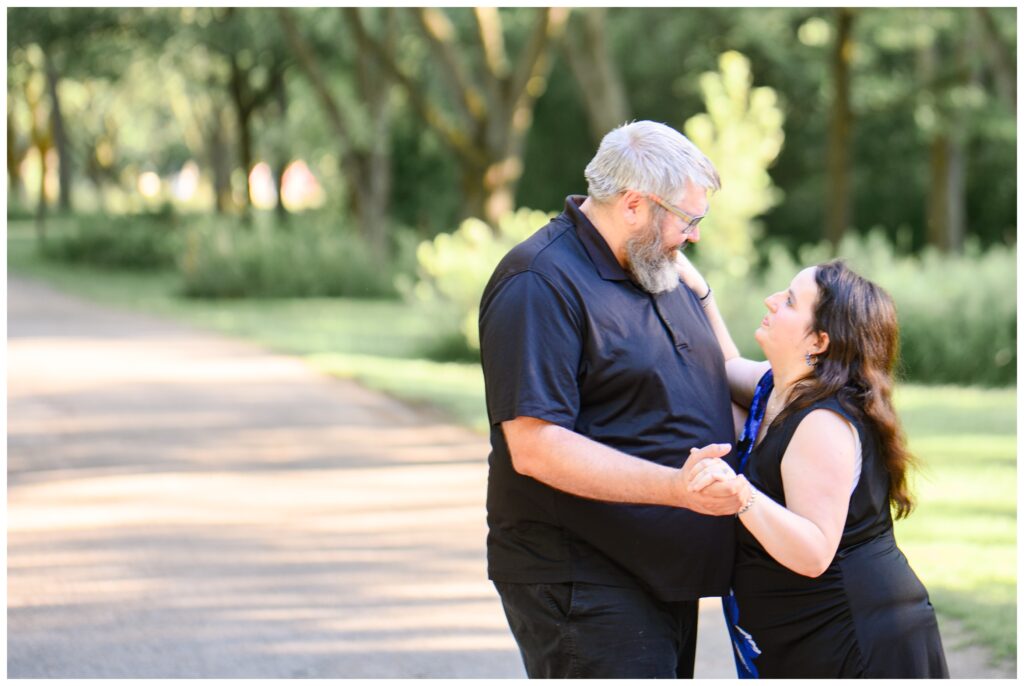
[602, 377]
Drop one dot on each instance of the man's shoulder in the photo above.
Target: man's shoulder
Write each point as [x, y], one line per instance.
[545, 265]
[549, 251]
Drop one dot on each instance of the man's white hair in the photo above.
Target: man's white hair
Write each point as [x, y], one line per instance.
[648, 157]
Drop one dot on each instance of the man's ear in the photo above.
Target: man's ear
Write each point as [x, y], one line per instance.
[633, 207]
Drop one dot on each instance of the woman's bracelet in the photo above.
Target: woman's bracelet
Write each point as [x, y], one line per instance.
[750, 502]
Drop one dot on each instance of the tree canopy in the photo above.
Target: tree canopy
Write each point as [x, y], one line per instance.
[903, 118]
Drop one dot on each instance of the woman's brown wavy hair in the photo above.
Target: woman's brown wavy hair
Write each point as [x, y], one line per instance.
[858, 366]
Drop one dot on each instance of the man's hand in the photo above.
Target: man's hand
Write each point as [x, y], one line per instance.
[708, 471]
[720, 490]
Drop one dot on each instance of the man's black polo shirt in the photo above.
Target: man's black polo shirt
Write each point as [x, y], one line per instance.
[567, 337]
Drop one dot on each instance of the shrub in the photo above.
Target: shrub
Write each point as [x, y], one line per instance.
[741, 132]
[131, 241]
[313, 256]
[454, 268]
[18, 210]
[957, 313]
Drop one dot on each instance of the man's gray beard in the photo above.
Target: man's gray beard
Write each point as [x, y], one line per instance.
[648, 264]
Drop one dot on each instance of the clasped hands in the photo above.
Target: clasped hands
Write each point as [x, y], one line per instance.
[709, 485]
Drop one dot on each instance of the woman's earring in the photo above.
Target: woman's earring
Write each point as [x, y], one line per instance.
[810, 362]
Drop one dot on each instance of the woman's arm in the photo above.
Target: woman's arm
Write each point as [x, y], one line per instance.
[743, 374]
[817, 476]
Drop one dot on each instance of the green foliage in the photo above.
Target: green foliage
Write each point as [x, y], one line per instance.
[424, 176]
[454, 268]
[142, 89]
[559, 115]
[742, 134]
[80, 40]
[313, 256]
[16, 210]
[143, 241]
[958, 314]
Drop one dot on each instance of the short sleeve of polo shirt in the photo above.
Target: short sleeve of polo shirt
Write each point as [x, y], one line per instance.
[530, 347]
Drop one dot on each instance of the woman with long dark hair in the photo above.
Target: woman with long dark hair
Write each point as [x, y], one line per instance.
[820, 588]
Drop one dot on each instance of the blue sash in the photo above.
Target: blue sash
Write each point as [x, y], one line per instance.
[744, 647]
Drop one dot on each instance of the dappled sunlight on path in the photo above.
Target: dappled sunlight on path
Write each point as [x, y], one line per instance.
[184, 505]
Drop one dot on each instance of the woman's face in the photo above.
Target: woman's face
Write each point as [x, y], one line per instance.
[786, 329]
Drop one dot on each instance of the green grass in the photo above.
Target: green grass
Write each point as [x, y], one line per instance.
[961, 540]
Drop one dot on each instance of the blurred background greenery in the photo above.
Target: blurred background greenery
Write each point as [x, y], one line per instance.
[338, 183]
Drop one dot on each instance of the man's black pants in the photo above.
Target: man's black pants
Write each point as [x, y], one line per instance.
[581, 630]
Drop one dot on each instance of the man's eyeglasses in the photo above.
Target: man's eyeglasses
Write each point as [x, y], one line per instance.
[691, 222]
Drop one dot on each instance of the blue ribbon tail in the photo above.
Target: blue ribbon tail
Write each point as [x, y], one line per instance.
[744, 649]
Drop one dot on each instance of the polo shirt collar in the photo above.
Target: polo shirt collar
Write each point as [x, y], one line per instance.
[593, 242]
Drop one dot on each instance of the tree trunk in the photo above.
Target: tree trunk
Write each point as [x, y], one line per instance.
[42, 140]
[837, 213]
[956, 180]
[474, 197]
[1001, 57]
[41, 206]
[60, 135]
[15, 184]
[586, 51]
[281, 96]
[500, 201]
[369, 207]
[946, 194]
[489, 193]
[98, 185]
[220, 163]
[376, 191]
[938, 199]
[502, 176]
[509, 118]
[366, 168]
[375, 87]
[945, 210]
[280, 211]
[486, 139]
[243, 115]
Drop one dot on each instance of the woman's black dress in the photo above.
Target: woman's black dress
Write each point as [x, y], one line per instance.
[868, 615]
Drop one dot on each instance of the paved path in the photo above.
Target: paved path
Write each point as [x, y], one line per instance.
[184, 505]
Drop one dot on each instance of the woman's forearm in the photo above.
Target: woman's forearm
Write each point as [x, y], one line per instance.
[742, 374]
[793, 541]
[725, 342]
